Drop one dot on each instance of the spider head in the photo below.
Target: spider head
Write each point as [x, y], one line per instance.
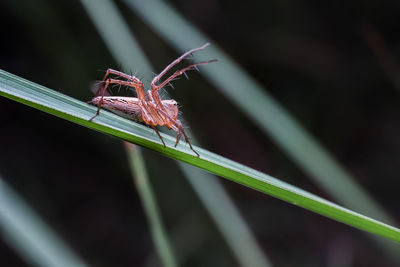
[172, 108]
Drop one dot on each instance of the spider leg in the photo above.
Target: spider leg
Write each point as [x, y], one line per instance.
[178, 136]
[95, 115]
[155, 129]
[155, 101]
[101, 99]
[159, 117]
[176, 61]
[123, 75]
[155, 88]
[165, 119]
[154, 95]
[177, 127]
[120, 74]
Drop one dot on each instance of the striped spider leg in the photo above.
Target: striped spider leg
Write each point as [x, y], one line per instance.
[151, 110]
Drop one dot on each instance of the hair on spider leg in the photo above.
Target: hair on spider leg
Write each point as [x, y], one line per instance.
[122, 87]
[95, 85]
[132, 73]
[172, 80]
[130, 89]
[184, 73]
[101, 70]
[175, 79]
[118, 86]
[170, 85]
[113, 85]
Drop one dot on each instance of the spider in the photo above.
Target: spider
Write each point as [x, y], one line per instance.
[151, 110]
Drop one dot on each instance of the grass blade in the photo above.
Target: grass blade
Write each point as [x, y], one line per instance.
[55, 103]
[147, 197]
[26, 232]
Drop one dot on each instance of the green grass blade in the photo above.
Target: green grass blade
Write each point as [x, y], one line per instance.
[25, 231]
[221, 209]
[55, 103]
[148, 199]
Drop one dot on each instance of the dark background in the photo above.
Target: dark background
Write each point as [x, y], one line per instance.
[332, 64]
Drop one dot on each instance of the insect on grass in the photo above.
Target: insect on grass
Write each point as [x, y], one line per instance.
[149, 109]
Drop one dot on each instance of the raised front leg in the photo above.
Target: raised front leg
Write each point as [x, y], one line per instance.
[176, 61]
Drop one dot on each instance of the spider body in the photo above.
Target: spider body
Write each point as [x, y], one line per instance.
[128, 107]
[147, 108]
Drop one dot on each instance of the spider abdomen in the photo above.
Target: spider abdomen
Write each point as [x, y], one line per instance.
[126, 107]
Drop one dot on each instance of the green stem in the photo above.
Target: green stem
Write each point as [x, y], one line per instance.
[148, 199]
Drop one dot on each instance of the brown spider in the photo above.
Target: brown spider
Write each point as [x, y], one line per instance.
[151, 110]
